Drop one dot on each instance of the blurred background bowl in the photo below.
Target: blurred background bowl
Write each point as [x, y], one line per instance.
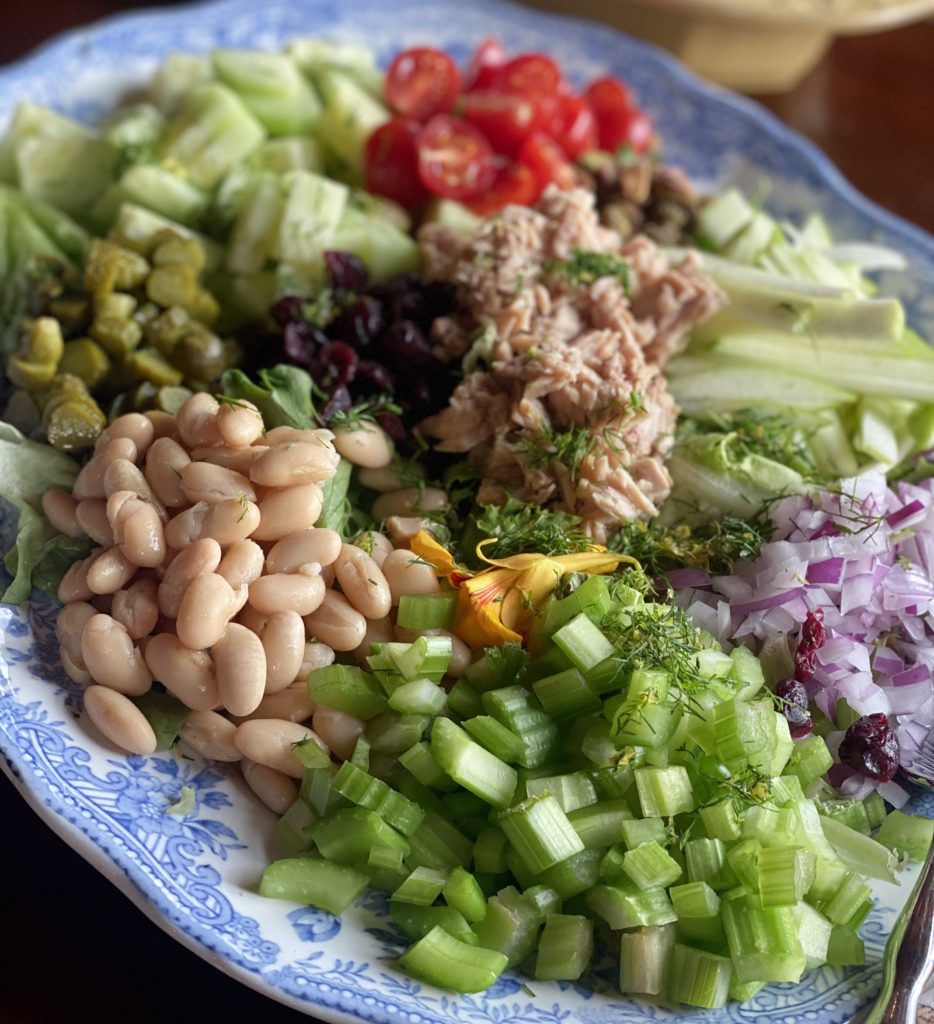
[749, 45]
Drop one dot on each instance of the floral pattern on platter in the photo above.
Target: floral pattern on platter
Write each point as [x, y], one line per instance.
[197, 873]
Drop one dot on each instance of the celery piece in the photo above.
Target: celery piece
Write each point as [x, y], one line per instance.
[543, 899]
[311, 754]
[422, 887]
[347, 834]
[851, 813]
[615, 782]
[592, 598]
[566, 694]
[288, 153]
[858, 852]
[291, 828]
[814, 931]
[809, 760]
[649, 865]
[388, 858]
[698, 978]
[416, 921]
[256, 225]
[607, 677]
[645, 959]
[436, 843]
[362, 789]
[909, 834]
[845, 948]
[785, 875]
[763, 941]
[723, 217]
[391, 732]
[786, 789]
[636, 723]
[721, 820]
[347, 689]
[573, 876]
[318, 790]
[625, 906]
[331, 887]
[741, 728]
[707, 862]
[419, 697]
[521, 713]
[360, 757]
[493, 735]
[583, 643]
[489, 852]
[874, 806]
[540, 832]
[743, 859]
[772, 826]
[743, 991]
[510, 925]
[564, 948]
[427, 611]
[664, 792]
[499, 667]
[847, 901]
[419, 760]
[442, 960]
[694, 899]
[600, 824]
[643, 830]
[462, 892]
[471, 765]
[611, 865]
[573, 791]
[427, 657]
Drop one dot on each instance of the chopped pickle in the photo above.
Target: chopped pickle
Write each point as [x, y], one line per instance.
[171, 399]
[173, 285]
[151, 365]
[86, 359]
[75, 425]
[187, 251]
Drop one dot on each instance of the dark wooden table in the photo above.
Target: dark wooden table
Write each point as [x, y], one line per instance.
[71, 947]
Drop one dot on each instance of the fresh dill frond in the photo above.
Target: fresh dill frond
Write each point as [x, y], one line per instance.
[568, 447]
[521, 528]
[586, 267]
[364, 412]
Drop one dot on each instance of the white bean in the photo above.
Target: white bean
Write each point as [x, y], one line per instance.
[363, 582]
[139, 532]
[289, 435]
[134, 425]
[408, 575]
[163, 423]
[338, 730]
[111, 658]
[211, 735]
[402, 529]
[109, 572]
[287, 511]
[367, 445]
[203, 481]
[137, 608]
[240, 667]
[376, 545]
[409, 501]
[378, 631]
[242, 563]
[74, 584]
[120, 720]
[196, 421]
[287, 465]
[186, 673]
[124, 475]
[252, 619]
[284, 643]
[205, 610]
[304, 546]
[226, 522]
[90, 481]
[316, 655]
[239, 423]
[277, 791]
[61, 510]
[69, 627]
[164, 467]
[269, 741]
[203, 556]
[92, 520]
[389, 478]
[336, 623]
[293, 591]
[237, 459]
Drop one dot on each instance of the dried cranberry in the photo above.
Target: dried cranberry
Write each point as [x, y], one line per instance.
[340, 401]
[871, 747]
[812, 638]
[812, 630]
[393, 426]
[407, 345]
[286, 310]
[794, 707]
[337, 363]
[373, 377]
[301, 342]
[360, 323]
[345, 270]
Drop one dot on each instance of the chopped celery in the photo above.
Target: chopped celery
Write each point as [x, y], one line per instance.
[785, 875]
[494, 736]
[909, 834]
[698, 978]
[540, 832]
[470, 765]
[583, 643]
[845, 948]
[331, 887]
[462, 892]
[436, 843]
[347, 834]
[362, 789]
[347, 689]
[510, 925]
[860, 853]
[291, 828]
[664, 792]
[572, 791]
[566, 694]
[419, 697]
[643, 830]
[810, 759]
[416, 921]
[763, 941]
[565, 947]
[489, 853]
[814, 932]
[649, 865]
[392, 732]
[694, 899]
[427, 611]
[645, 959]
[464, 700]
[419, 760]
[707, 862]
[721, 821]
[600, 824]
[442, 960]
[422, 887]
[625, 906]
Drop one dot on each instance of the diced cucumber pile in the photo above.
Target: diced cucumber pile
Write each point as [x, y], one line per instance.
[261, 153]
[629, 784]
[803, 336]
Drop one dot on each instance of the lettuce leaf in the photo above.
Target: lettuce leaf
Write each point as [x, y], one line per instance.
[38, 553]
[283, 395]
[164, 713]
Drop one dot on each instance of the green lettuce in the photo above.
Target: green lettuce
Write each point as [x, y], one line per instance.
[38, 555]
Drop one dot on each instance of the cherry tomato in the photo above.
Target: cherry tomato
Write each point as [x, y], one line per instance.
[547, 162]
[391, 163]
[529, 74]
[454, 159]
[506, 121]
[574, 126]
[607, 95]
[514, 184]
[633, 128]
[421, 82]
[486, 58]
[619, 121]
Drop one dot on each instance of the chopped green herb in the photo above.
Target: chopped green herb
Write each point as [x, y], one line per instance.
[585, 267]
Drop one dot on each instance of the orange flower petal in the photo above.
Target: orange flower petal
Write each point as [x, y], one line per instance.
[435, 554]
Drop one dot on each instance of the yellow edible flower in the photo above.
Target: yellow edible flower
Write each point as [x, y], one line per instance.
[497, 605]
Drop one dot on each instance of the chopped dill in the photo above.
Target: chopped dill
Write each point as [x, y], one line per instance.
[521, 528]
[364, 412]
[585, 267]
[568, 447]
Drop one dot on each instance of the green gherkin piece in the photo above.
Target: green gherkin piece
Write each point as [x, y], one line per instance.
[75, 425]
[152, 366]
[85, 359]
[173, 285]
[110, 266]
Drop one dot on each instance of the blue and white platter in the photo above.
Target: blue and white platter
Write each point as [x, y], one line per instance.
[196, 875]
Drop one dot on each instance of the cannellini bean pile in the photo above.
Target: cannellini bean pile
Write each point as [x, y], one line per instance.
[212, 579]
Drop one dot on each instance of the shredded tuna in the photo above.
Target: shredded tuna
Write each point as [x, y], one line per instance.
[570, 407]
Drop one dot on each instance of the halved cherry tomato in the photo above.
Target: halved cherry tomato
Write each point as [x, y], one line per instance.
[607, 95]
[632, 128]
[390, 165]
[574, 126]
[514, 184]
[421, 82]
[529, 74]
[547, 162]
[506, 121]
[454, 160]
[619, 121]
[489, 55]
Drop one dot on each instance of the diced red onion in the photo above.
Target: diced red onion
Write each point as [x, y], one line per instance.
[689, 578]
[830, 570]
